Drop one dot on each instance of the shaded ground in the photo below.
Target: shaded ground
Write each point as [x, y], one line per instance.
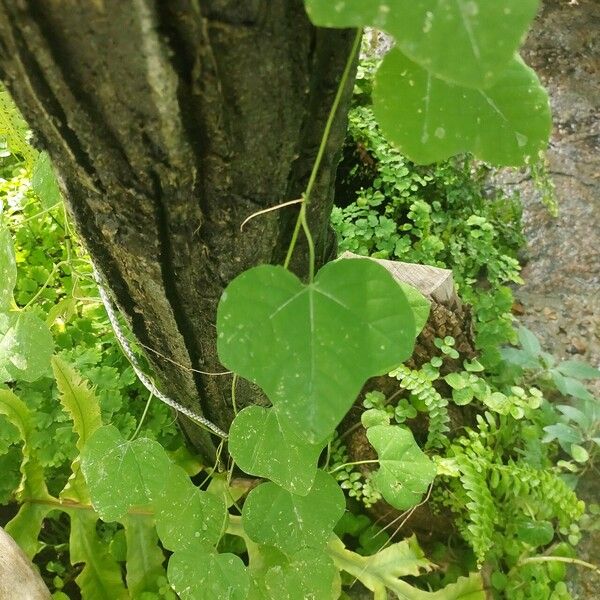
[561, 297]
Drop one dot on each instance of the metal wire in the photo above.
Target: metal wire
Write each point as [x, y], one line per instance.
[145, 380]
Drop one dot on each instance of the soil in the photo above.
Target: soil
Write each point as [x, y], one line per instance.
[560, 300]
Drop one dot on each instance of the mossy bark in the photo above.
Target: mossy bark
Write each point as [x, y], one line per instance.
[169, 123]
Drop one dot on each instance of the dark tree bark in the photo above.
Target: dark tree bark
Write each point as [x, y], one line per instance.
[169, 123]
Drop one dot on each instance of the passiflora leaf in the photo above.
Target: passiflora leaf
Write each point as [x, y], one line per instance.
[199, 573]
[26, 346]
[419, 304]
[431, 120]
[275, 517]
[261, 446]
[100, 578]
[8, 269]
[309, 574]
[465, 41]
[405, 472]
[312, 347]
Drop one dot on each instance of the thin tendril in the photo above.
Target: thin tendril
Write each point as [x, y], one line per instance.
[143, 417]
[302, 220]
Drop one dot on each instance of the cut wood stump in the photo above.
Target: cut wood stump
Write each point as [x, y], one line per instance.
[18, 577]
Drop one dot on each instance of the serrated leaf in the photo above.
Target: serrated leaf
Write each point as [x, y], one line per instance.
[529, 341]
[383, 571]
[43, 182]
[100, 578]
[312, 347]
[309, 574]
[261, 446]
[200, 574]
[144, 556]
[466, 41]
[26, 346]
[33, 483]
[8, 269]
[275, 517]
[78, 399]
[405, 472]
[578, 369]
[431, 120]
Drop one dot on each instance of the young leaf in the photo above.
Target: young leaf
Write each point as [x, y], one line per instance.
[312, 347]
[261, 446]
[309, 574]
[100, 578]
[529, 341]
[200, 574]
[405, 472]
[8, 269]
[465, 41]
[78, 400]
[26, 346]
[274, 517]
[431, 120]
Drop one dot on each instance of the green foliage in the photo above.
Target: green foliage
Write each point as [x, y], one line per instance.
[440, 215]
[453, 83]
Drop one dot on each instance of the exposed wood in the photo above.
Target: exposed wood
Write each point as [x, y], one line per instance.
[18, 577]
[168, 124]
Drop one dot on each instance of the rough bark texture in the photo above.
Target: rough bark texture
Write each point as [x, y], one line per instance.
[168, 124]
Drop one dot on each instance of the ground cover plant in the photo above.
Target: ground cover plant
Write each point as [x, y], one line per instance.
[269, 517]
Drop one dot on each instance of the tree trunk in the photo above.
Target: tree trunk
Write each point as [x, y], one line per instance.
[168, 123]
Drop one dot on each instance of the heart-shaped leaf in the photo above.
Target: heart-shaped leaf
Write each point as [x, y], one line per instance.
[312, 347]
[201, 574]
[431, 120]
[275, 517]
[261, 446]
[465, 41]
[405, 471]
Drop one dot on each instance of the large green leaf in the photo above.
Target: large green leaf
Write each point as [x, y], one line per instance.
[312, 347]
[8, 269]
[419, 304]
[145, 477]
[200, 574]
[465, 41]
[25, 527]
[275, 517]
[431, 120]
[100, 578]
[26, 346]
[405, 472]
[261, 446]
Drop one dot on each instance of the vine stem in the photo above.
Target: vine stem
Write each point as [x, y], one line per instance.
[352, 464]
[563, 559]
[302, 220]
